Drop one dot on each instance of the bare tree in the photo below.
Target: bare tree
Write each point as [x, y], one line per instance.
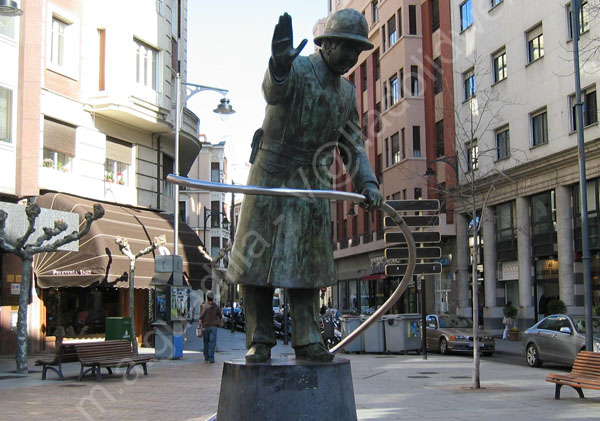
[475, 125]
[26, 252]
[123, 244]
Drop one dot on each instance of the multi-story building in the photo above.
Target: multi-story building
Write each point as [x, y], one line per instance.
[402, 122]
[516, 143]
[90, 119]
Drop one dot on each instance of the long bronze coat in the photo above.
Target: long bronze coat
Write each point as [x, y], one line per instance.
[287, 242]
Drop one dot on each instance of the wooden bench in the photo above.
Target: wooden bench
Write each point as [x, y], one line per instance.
[65, 353]
[108, 354]
[585, 374]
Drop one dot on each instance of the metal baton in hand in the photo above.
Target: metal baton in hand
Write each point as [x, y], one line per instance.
[321, 194]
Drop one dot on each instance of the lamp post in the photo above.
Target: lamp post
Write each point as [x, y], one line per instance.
[224, 109]
[585, 240]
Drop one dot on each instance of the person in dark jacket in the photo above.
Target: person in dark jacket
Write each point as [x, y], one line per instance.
[210, 319]
[285, 242]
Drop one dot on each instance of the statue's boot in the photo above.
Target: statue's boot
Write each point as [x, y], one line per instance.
[313, 352]
[258, 353]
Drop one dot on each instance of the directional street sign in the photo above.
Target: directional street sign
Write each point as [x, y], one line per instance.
[414, 205]
[420, 237]
[415, 221]
[420, 269]
[422, 253]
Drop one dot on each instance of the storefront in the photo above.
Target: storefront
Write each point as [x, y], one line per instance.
[76, 291]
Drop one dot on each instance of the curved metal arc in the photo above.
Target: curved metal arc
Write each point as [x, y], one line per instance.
[323, 194]
[399, 289]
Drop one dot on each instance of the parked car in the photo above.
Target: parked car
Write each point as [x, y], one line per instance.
[238, 317]
[557, 338]
[450, 333]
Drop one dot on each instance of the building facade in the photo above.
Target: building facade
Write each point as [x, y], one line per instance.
[400, 112]
[92, 119]
[516, 143]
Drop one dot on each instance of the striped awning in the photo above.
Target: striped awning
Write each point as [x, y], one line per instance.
[99, 260]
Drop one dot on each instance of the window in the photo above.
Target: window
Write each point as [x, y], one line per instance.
[394, 90]
[59, 144]
[387, 153]
[215, 215]
[6, 115]
[146, 65]
[215, 246]
[472, 156]
[363, 73]
[539, 128]
[414, 80]
[383, 38]
[167, 169]
[391, 28]
[401, 83]
[584, 19]
[385, 96]
[590, 108]
[500, 70]
[416, 141]
[403, 140]
[375, 10]
[469, 82]
[437, 72]
[378, 118]
[399, 22]
[502, 143]
[215, 172]
[395, 148]
[439, 139]
[535, 44]
[160, 7]
[412, 19]
[377, 65]
[435, 15]
[118, 161]
[57, 49]
[7, 26]
[506, 244]
[379, 169]
[56, 160]
[365, 125]
[466, 15]
[418, 193]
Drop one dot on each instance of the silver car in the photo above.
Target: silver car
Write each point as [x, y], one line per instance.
[558, 338]
[449, 333]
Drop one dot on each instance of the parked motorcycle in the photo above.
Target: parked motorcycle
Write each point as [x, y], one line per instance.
[331, 331]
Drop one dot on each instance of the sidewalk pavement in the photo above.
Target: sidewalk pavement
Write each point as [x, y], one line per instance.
[386, 387]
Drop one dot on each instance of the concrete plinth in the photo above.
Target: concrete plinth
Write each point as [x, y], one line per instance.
[286, 389]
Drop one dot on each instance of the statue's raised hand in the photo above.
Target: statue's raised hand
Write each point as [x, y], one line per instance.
[282, 47]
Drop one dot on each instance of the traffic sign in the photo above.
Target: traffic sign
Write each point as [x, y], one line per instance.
[415, 221]
[422, 253]
[414, 205]
[420, 269]
[420, 237]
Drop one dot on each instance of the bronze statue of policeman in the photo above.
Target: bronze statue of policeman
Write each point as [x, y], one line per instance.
[285, 242]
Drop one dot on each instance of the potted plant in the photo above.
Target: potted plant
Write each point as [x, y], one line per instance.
[48, 163]
[109, 177]
[556, 306]
[513, 334]
[120, 179]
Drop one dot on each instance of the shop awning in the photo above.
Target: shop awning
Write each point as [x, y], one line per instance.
[99, 260]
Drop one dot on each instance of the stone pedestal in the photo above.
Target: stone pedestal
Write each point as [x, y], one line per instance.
[286, 389]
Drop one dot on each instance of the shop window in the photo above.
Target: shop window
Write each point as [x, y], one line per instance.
[506, 235]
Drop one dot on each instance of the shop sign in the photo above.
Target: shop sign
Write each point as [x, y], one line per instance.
[73, 272]
[378, 263]
[15, 289]
[546, 269]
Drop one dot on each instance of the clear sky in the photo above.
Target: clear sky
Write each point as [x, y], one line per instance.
[229, 44]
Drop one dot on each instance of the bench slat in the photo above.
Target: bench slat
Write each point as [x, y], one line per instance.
[585, 373]
[109, 354]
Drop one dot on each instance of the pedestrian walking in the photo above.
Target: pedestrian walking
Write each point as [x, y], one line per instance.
[507, 320]
[210, 318]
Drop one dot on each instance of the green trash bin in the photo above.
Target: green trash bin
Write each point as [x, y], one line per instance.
[118, 328]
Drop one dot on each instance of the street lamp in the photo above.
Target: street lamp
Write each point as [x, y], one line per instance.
[207, 214]
[450, 160]
[224, 109]
[9, 8]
